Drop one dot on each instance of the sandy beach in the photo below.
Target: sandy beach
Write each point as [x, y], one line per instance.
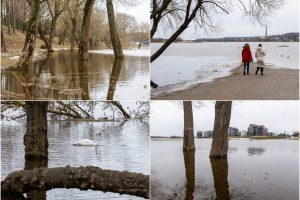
[275, 84]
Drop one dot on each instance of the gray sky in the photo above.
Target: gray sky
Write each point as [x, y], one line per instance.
[281, 21]
[167, 117]
[141, 12]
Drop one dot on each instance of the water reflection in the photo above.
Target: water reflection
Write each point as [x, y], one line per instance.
[62, 76]
[176, 175]
[114, 78]
[189, 163]
[122, 146]
[252, 151]
[220, 173]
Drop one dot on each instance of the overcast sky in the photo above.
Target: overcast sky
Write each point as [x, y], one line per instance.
[281, 21]
[141, 12]
[167, 117]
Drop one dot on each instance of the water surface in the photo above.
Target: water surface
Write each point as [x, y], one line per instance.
[184, 64]
[122, 146]
[61, 76]
[257, 169]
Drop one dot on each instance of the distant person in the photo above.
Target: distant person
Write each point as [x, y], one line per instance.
[260, 59]
[246, 58]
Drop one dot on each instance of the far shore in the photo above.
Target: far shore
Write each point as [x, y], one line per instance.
[234, 138]
[275, 84]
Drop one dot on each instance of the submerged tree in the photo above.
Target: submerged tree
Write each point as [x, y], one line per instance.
[188, 140]
[219, 145]
[42, 178]
[30, 38]
[114, 35]
[84, 37]
[35, 138]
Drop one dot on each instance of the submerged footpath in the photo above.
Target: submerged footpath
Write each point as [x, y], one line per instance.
[275, 84]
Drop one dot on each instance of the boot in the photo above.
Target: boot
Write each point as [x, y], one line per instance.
[262, 70]
[257, 69]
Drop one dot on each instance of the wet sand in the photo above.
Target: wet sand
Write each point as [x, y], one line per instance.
[275, 84]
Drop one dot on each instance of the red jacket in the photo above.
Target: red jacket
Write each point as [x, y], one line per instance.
[246, 55]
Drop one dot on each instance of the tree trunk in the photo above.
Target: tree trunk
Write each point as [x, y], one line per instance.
[73, 33]
[220, 174]
[83, 45]
[114, 76]
[83, 178]
[189, 163]
[219, 145]
[188, 139]
[13, 16]
[35, 138]
[3, 47]
[119, 106]
[30, 37]
[8, 16]
[44, 38]
[113, 30]
[52, 29]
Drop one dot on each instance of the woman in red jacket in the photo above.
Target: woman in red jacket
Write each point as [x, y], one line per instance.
[246, 58]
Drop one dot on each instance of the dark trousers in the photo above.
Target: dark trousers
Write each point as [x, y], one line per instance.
[261, 70]
[246, 68]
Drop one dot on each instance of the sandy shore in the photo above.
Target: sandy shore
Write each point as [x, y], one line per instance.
[275, 84]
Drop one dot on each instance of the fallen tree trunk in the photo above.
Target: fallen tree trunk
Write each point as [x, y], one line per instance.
[83, 178]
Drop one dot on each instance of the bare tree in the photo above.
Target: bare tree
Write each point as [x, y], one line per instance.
[114, 35]
[176, 13]
[3, 47]
[83, 45]
[219, 145]
[188, 140]
[35, 138]
[30, 38]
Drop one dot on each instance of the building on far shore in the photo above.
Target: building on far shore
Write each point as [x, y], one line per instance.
[257, 130]
[243, 133]
[233, 131]
[204, 134]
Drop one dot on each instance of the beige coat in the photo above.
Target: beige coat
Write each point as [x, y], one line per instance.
[260, 57]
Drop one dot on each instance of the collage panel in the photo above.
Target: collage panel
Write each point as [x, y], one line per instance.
[75, 150]
[240, 150]
[225, 50]
[75, 50]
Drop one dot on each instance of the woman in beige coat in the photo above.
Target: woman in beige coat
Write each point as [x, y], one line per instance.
[260, 59]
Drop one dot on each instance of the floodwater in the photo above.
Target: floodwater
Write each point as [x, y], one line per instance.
[122, 146]
[185, 64]
[257, 169]
[60, 76]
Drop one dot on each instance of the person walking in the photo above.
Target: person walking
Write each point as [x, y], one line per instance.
[246, 58]
[260, 59]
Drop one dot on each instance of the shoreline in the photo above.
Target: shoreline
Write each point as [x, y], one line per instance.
[282, 84]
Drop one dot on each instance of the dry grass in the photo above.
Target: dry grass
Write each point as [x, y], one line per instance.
[14, 44]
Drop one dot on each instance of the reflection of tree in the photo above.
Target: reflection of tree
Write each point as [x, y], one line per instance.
[115, 73]
[252, 151]
[189, 163]
[220, 173]
[83, 78]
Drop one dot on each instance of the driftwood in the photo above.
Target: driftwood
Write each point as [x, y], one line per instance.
[83, 178]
